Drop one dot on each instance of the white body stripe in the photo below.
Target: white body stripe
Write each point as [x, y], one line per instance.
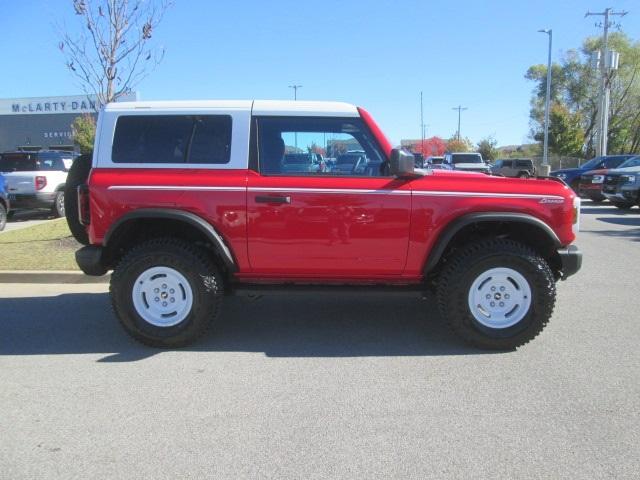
[349, 191]
[177, 187]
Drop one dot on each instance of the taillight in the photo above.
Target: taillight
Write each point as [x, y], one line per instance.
[41, 182]
[84, 214]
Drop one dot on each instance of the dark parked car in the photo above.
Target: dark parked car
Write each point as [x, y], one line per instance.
[571, 176]
[590, 185]
[622, 186]
[351, 163]
[4, 202]
[302, 163]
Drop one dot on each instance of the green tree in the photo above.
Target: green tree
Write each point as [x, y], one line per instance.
[84, 132]
[487, 148]
[566, 137]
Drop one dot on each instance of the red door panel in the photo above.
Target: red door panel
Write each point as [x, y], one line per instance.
[327, 226]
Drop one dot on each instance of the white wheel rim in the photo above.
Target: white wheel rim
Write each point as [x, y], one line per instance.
[162, 296]
[499, 298]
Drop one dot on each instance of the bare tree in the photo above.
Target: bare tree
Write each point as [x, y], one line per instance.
[113, 52]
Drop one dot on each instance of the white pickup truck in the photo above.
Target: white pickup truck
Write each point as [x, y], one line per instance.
[36, 180]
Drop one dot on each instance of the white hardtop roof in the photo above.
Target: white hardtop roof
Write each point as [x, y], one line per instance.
[259, 107]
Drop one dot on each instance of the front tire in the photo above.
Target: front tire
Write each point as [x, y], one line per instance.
[166, 292]
[496, 294]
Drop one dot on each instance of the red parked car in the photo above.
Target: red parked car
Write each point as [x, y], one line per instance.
[191, 201]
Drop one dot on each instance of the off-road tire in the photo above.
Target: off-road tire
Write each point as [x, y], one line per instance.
[190, 261]
[78, 175]
[3, 217]
[465, 265]
[523, 175]
[58, 205]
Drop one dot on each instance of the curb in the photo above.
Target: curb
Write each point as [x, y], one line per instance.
[51, 276]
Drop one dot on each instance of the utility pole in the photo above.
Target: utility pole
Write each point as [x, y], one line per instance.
[295, 90]
[295, 97]
[605, 64]
[547, 101]
[459, 108]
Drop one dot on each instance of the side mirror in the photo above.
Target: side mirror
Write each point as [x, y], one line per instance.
[402, 164]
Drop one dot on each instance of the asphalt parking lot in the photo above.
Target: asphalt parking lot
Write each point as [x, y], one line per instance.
[329, 387]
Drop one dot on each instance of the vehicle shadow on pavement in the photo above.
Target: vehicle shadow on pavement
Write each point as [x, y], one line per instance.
[296, 326]
[629, 221]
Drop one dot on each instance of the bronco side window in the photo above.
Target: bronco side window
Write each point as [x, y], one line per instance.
[318, 146]
[202, 139]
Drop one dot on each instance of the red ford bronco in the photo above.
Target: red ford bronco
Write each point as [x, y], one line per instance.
[190, 201]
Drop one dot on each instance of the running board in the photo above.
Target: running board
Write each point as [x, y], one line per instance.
[253, 290]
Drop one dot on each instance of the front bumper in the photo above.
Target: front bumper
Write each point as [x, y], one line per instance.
[570, 260]
[21, 201]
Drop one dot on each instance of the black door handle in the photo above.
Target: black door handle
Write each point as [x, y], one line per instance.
[268, 199]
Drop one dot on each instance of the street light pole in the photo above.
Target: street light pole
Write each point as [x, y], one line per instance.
[545, 155]
[421, 126]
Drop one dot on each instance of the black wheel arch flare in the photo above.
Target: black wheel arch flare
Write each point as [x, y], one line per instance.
[180, 215]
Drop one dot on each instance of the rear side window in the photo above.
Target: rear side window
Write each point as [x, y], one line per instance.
[199, 139]
[523, 163]
[18, 162]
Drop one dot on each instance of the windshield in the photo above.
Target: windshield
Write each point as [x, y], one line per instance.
[632, 162]
[347, 159]
[591, 164]
[297, 158]
[466, 158]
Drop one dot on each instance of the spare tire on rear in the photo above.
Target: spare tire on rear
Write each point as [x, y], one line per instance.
[78, 175]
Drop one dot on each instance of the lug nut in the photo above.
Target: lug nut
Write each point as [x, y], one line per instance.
[506, 295]
[172, 300]
[157, 299]
[493, 289]
[164, 304]
[156, 290]
[502, 304]
[164, 286]
[502, 289]
[488, 296]
[493, 304]
[172, 291]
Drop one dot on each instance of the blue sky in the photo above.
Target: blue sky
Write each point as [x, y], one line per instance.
[376, 54]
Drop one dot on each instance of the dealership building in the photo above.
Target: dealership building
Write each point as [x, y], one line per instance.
[43, 121]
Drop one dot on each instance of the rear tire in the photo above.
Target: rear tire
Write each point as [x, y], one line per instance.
[166, 292]
[3, 217]
[523, 175]
[496, 294]
[78, 175]
[58, 206]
